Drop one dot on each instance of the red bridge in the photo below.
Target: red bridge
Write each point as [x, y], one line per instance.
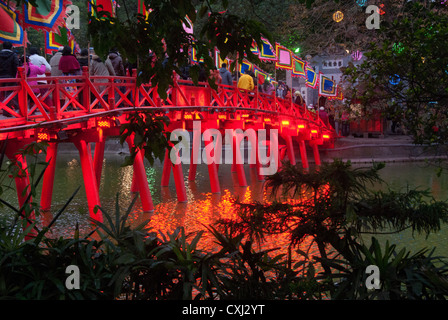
[86, 110]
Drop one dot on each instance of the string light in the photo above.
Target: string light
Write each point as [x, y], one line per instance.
[361, 3]
[394, 80]
[357, 55]
[398, 47]
[338, 16]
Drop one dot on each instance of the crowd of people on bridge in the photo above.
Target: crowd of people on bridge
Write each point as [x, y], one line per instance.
[65, 63]
[62, 63]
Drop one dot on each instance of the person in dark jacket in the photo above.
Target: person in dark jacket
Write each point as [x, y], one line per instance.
[8, 61]
[83, 58]
[226, 76]
[117, 63]
[8, 69]
[202, 73]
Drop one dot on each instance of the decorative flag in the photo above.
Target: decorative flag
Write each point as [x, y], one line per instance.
[64, 38]
[219, 61]
[189, 26]
[339, 94]
[46, 15]
[142, 8]
[284, 57]
[261, 75]
[254, 48]
[267, 52]
[327, 87]
[311, 78]
[73, 44]
[245, 65]
[102, 6]
[298, 67]
[10, 29]
[194, 56]
[55, 40]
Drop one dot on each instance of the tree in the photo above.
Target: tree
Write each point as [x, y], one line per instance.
[160, 45]
[407, 72]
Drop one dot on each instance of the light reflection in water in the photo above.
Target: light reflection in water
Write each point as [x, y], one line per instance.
[203, 208]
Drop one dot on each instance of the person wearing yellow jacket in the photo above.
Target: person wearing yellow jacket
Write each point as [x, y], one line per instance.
[246, 81]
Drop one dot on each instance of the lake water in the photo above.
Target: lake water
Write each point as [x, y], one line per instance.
[203, 207]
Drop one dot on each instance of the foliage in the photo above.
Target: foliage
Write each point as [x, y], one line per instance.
[405, 72]
[147, 131]
[159, 45]
[334, 207]
[402, 275]
[153, 265]
[117, 261]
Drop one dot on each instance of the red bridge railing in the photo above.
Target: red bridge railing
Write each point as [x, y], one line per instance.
[67, 102]
[71, 96]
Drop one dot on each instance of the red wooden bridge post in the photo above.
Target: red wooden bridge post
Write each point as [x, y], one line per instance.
[259, 176]
[111, 94]
[303, 154]
[282, 150]
[90, 184]
[290, 149]
[86, 89]
[48, 181]
[179, 179]
[22, 183]
[134, 184]
[22, 95]
[239, 161]
[98, 157]
[57, 99]
[195, 153]
[315, 148]
[212, 170]
[141, 179]
[166, 171]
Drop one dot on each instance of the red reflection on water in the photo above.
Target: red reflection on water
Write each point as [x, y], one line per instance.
[199, 214]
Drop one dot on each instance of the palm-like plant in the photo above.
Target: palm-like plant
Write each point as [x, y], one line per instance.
[333, 205]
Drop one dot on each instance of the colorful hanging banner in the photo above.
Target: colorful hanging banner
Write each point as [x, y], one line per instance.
[10, 29]
[339, 94]
[64, 38]
[261, 75]
[245, 65]
[108, 6]
[194, 56]
[254, 48]
[55, 40]
[298, 67]
[219, 61]
[46, 15]
[142, 9]
[311, 78]
[284, 57]
[266, 51]
[188, 27]
[327, 87]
